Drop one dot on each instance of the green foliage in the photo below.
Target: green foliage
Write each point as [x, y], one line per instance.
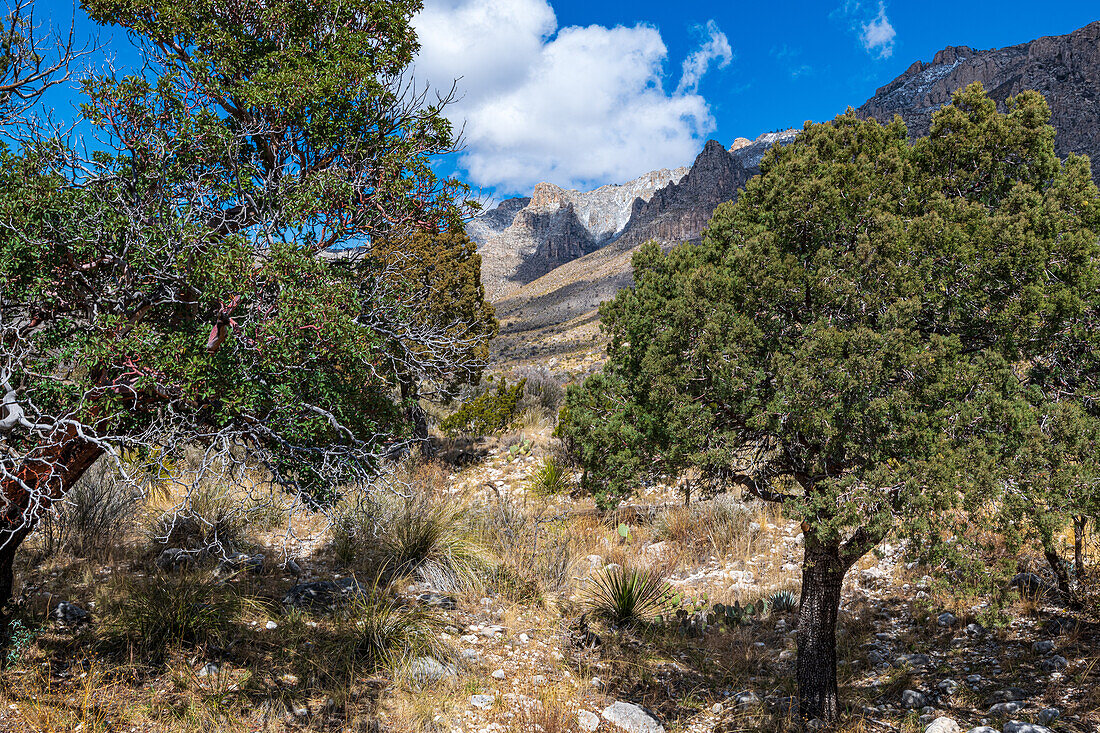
[861, 334]
[19, 638]
[626, 596]
[488, 413]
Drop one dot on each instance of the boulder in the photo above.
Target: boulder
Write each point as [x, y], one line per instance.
[1043, 647]
[947, 619]
[983, 729]
[1055, 663]
[912, 660]
[483, 702]
[173, 558]
[587, 720]
[1004, 709]
[631, 718]
[1031, 585]
[1046, 716]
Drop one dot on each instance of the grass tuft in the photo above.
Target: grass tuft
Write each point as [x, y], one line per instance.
[625, 596]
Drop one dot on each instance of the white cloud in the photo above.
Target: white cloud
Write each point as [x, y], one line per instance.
[878, 34]
[575, 106]
[715, 48]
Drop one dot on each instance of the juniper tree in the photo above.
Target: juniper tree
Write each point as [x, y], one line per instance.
[853, 338]
[207, 279]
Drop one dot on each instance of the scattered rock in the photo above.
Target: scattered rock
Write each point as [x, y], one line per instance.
[1046, 716]
[746, 699]
[587, 720]
[943, 725]
[1043, 647]
[1017, 726]
[947, 619]
[631, 718]
[983, 729]
[242, 561]
[322, 594]
[71, 614]
[912, 660]
[173, 558]
[435, 600]
[913, 700]
[948, 686]
[1055, 663]
[430, 669]
[1009, 695]
[975, 630]
[483, 702]
[1004, 709]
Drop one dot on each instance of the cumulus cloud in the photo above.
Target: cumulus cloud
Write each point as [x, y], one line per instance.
[716, 47]
[576, 106]
[876, 33]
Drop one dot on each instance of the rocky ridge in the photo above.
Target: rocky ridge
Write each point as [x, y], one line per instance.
[1065, 69]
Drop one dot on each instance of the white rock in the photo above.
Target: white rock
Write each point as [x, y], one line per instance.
[943, 725]
[588, 720]
[498, 674]
[631, 718]
[484, 702]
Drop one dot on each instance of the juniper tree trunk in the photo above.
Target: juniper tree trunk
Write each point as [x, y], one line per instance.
[822, 576]
[1060, 574]
[1079, 525]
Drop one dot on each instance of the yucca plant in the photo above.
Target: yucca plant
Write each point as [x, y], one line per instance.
[625, 596]
[551, 479]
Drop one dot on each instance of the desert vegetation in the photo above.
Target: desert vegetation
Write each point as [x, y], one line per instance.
[261, 471]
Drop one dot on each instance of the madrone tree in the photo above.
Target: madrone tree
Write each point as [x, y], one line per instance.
[207, 281]
[853, 338]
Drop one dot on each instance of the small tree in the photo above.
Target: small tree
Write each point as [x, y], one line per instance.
[209, 280]
[852, 337]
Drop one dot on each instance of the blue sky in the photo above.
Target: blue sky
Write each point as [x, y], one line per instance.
[583, 93]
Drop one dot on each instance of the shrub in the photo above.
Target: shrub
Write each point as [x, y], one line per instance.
[210, 517]
[490, 412]
[625, 596]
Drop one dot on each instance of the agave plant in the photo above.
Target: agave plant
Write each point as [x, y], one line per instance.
[625, 596]
[783, 600]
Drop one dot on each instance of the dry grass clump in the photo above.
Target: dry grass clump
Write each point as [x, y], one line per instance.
[94, 519]
[155, 614]
[721, 527]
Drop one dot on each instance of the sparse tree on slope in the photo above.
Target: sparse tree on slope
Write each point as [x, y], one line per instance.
[209, 280]
[853, 337]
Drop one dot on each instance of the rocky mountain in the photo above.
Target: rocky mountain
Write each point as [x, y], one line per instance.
[1066, 69]
[524, 238]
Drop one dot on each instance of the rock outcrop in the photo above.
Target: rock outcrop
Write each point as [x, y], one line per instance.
[1065, 69]
[524, 238]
